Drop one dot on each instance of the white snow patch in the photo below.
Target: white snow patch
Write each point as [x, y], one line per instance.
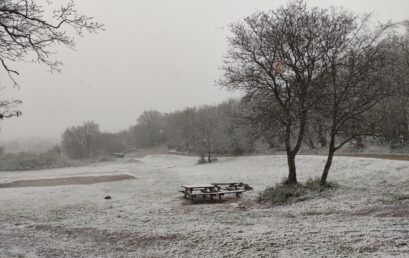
[147, 217]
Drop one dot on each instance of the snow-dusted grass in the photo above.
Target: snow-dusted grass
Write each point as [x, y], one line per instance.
[367, 216]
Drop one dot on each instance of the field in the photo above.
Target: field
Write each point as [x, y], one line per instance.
[368, 216]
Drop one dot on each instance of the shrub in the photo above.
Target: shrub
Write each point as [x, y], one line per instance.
[32, 161]
[283, 193]
[202, 160]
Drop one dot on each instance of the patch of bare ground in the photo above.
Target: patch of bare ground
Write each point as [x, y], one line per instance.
[398, 209]
[375, 156]
[403, 157]
[100, 242]
[85, 180]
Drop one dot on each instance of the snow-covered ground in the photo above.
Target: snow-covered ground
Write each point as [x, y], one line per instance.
[367, 216]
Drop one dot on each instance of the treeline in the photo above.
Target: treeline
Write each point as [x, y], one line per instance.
[202, 130]
[234, 127]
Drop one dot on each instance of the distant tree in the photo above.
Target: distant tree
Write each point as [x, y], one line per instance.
[81, 141]
[149, 130]
[181, 129]
[283, 53]
[262, 113]
[394, 129]
[208, 131]
[214, 128]
[108, 143]
[238, 136]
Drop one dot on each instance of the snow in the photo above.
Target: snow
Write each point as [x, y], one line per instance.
[147, 217]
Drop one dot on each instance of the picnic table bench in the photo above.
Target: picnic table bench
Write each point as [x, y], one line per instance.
[218, 194]
[213, 190]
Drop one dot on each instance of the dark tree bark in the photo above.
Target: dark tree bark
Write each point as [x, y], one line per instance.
[292, 170]
[322, 135]
[331, 152]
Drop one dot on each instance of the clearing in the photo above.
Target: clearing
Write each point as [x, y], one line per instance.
[368, 216]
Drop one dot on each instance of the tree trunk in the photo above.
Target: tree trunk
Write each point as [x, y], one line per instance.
[331, 152]
[321, 135]
[311, 144]
[209, 156]
[292, 174]
[292, 152]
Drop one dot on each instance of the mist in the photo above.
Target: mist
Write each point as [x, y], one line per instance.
[162, 55]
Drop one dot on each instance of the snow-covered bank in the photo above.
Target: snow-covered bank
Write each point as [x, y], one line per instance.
[147, 217]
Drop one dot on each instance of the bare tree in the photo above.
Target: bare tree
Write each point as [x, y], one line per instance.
[81, 141]
[28, 34]
[9, 108]
[149, 130]
[239, 136]
[208, 131]
[283, 53]
[363, 73]
[180, 129]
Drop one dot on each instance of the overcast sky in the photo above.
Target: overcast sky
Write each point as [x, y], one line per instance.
[154, 54]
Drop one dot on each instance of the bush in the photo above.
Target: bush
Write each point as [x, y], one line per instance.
[283, 193]
[32, 161]
[314, 185]
[202, 160]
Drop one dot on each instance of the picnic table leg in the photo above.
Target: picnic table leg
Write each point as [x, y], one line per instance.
[220, 196]
[211, 197]
[190, 192]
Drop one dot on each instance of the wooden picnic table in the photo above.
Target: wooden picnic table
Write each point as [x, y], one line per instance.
[212, 190]
[206, 188]
[228, 185]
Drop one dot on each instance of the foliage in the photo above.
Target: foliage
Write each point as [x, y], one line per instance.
[149, 131]
[80, 142]
[86, 141]
[202, 130]
[33, 161]
[283, 193]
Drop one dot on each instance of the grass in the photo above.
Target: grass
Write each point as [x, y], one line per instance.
[283, 193]
[32, 161]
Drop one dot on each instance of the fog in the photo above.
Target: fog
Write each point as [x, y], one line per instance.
[162, 55]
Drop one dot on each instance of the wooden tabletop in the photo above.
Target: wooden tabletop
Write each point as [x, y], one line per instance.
[235, 183]
[199, 186]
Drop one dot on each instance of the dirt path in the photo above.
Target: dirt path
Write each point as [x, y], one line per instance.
[88, 180]
[376, 156]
